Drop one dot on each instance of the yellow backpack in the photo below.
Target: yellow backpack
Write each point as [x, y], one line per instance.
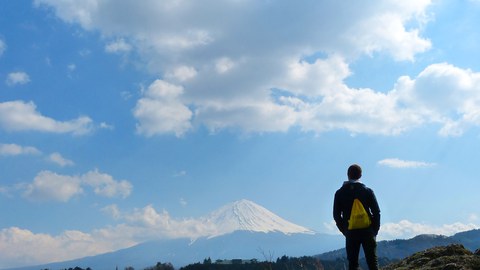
[359, 218]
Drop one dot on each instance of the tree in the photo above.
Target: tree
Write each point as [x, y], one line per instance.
[161, 266]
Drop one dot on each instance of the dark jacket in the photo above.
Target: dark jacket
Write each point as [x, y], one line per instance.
[342, 205]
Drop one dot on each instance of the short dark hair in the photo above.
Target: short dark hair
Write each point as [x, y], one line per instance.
[354, 172]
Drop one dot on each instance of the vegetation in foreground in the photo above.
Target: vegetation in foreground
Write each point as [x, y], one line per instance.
[283, 263]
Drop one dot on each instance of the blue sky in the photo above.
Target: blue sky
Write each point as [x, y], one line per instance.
[123, 122]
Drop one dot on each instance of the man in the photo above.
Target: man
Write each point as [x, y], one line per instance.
[342, 208]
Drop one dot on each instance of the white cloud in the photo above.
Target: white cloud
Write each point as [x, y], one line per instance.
[147, 223]
[112, 210]
[22, 116]
[58, 159]
[126, 95]
[398, 163]
[104, 125]
[223, 83]
[406, 229]
[49, 186]
[250, 117]
[20, 247]
[322, 77]
[170, 26]
[106, 186]
[182, 73]
[224, 64]
[227, 82]
[118, 46]
[444, 94]
[15, 150]
[16, 78]
[160, 111]
[386, 32]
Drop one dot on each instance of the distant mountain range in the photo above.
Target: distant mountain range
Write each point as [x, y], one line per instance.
[399, 249]
[246, 230]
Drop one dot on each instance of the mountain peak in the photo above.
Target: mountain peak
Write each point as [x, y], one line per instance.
[245, 215]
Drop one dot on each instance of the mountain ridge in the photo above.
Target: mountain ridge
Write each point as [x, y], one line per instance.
[401, 248]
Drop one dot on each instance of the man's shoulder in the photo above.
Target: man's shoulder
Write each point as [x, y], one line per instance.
[353, 186]
[359, 186]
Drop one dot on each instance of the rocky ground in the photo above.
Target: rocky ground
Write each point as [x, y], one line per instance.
[452, 257]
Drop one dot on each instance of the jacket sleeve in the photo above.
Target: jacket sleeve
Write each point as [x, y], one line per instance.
[375, 211]
[338, 215]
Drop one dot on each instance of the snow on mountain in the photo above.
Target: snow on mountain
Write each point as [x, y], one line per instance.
[245, 215]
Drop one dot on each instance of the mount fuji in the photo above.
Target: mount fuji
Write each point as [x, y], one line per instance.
[245, 215]
[241, 230]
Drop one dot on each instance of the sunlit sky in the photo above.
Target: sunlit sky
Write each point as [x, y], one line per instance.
[125, 121]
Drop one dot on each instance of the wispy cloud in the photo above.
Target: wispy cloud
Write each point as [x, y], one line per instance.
[58, 159]
[105, 185]
[3, 47]
[50, 186]
[118, 46]
[112, 210]
[183, 202]
[15, 150]
[180, 173]
[16, 78]
[399, 163]
[23, 116]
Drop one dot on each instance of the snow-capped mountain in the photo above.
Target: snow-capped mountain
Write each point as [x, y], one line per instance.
[245, 215]
[240, 230]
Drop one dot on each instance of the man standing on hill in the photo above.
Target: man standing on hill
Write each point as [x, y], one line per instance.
[357, 215]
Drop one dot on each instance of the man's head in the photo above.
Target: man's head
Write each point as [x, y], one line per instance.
[354, 172]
